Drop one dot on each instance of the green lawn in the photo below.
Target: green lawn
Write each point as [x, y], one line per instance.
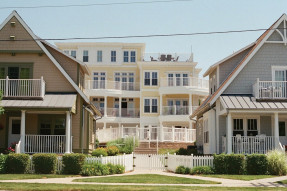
[31, 176]
[282, 182]
[239, 177]
[30, 187]
[147, 179]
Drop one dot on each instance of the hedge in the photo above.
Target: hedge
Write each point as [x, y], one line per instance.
[100, 152]
[201, 170]
[3, 163]
[229, 164]
[45, 163]
[17, 163]
[98, 169]
[256, 164]
[73, 163]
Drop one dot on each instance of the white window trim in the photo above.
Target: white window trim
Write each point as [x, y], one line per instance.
[150, 83]
[150, 98]
[274, 68]
[245, 125]
[130, 55]
[102, 56]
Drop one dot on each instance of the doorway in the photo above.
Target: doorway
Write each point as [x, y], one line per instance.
[14, 130]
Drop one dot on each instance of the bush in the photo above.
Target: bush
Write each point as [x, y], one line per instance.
[112, 168]
[3, 163]
[190, 150]
[17, 163]
[73, 163]
[187, 170]
[100, 152]
[126, 145]
[202, 170]
[256, 164]
[112, 150]
[45, 163]
[277, 163]
[180, 170]
[120, 169]
[228, 164]
[98, 169]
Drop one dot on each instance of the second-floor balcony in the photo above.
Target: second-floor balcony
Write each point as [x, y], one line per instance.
[112, 85]
[184, 82]
[122, 112]
[270, 89]
[22, 88]
[178, 110]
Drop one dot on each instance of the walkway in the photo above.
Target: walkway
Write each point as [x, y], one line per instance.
[267, 182]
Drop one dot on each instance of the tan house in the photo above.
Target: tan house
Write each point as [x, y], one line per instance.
[45, 107]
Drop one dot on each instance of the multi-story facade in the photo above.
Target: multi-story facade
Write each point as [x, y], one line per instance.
[149, 95]
[246, 109]
[46, 110]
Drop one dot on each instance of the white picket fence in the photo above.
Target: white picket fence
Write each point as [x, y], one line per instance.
[150, 162]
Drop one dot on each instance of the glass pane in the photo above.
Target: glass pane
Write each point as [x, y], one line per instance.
[282, 131]
[24, 73]
[16, 126]
[2, 73]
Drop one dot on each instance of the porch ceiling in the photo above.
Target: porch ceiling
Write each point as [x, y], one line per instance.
[249, 102]
[50, 101]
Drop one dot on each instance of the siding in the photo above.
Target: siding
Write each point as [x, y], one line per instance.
[222, 131]
[199, 133]
[258, 67]
[76, 124]
[265, 125]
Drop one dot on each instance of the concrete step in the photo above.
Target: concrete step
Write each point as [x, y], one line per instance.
[140, 150]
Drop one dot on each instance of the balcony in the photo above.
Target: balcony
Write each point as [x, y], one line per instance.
[112, 85]
[168, 57]
[124, 112]
[270, 89]
[175, 110]
[22, 88]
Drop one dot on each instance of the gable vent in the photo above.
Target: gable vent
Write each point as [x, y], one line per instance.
[12, 37]
[13, 24]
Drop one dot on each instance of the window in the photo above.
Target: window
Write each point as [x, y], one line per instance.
[124, 81]
[113, 56]
[99, 80]
[238, 127]
[73, 53]
[150, 79]
[2, 73]
[126, 56]
[85, 56]
[282, 131]
[52, 124]
[205, 131]
[150, 105]
[99, 56]
[66, 51]
[60, 126]
[133, 56]
[252, 127]
[178, 79]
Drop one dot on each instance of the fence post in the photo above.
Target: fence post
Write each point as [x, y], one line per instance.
[191, 165]
[172, 133]
[157, 144]
[185, 132]
[7, 86]
[101, 159]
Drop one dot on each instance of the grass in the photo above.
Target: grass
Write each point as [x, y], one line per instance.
[165, 151]
[239, 177]
[282, 182]
[147, 179]
[50, 187]
[31, 176]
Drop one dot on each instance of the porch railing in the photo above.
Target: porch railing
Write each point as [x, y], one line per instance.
[22, 88]
[45, 143]
[125, 112]
[113, 85]
[270, 89]
[184, 81]
[175, 110]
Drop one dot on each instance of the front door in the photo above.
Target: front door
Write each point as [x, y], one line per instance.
[14, 130]
[124, 109]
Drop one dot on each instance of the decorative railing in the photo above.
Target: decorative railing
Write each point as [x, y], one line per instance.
[45, 143]
[22, 88]
[184, 82]
[112, 85]
[270, 89]
[125, 112]
[175, 110]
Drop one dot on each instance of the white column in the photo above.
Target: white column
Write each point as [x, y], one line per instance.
[120, 107]
[42, 87]
[161, 132]
[172, 129]
[22, 132]
[190, 104]
[105, 105]
[160, 103]
[68, 132]
[105, 125]
[276, 130]
[229, 134]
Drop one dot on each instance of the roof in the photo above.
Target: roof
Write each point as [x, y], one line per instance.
[257, 45]
[250, 103]
[61, 101]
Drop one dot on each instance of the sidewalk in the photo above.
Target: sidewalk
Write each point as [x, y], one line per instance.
[267, 182]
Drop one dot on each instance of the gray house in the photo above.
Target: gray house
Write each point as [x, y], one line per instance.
[246, 110]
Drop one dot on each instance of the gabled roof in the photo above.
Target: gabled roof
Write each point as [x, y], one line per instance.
[28, 29]
[257, 45]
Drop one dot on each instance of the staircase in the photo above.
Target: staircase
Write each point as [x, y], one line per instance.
[144, 148]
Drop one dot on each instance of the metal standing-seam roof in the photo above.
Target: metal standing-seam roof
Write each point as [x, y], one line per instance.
[49, 101]
[249, 102]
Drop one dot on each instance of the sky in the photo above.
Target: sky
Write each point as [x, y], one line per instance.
[155, 18]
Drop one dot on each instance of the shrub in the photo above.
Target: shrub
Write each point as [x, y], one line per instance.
[100, 152]
[190, 150]
[180, 170]
[3, 163]
[202, 170]
[112, 150]
[126, 145]
[187, 170]
[17, 163]
[256, 164]
[181, 151]
[229, 164]
[92, 169]
[105, 170]
[45, 163]
[277, 163]
[112, 168]
[120, 169]
[73, 163]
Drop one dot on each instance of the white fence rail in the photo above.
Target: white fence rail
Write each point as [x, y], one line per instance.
[150, 162]
[113, 85]
[270, 89]
[184, 81]
[22, 87]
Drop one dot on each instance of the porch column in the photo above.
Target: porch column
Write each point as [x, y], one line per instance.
[160, 104]
[105, 106]
[161, 132]
[190, 105]
[120, 107]
[68, 132]
[229, 134]
[276, 131]
[22, 132]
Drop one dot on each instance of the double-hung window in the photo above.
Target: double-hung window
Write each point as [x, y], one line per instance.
[124, 81]
[113, 56]
[252, 127]
[238, 127]
[150, 105]
[99, 56]
[66, 51]
[205, 131]
[150, 79]
[73, 53]
[85, 56]
[133, 56]
[126, 56]
[99, 80]
[246, 126]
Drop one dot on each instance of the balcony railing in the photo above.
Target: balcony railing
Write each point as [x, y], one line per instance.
[125, 112]
[270, 89]
[168, 57]
[175, 110]
[184, 82]
[22, 88]
[113, 85]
